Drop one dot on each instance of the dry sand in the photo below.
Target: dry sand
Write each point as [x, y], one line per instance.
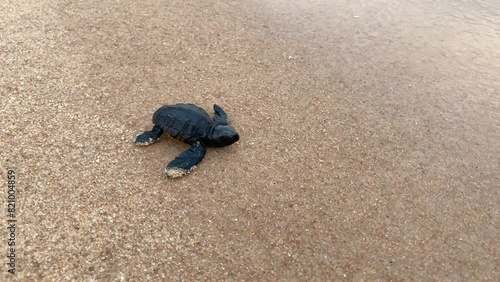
[370, 140]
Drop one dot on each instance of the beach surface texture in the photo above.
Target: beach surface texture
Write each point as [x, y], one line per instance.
[369, 150]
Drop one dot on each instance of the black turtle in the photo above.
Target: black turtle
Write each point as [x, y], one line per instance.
[191, 124]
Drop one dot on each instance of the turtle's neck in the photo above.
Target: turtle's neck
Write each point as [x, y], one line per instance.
[208, 135]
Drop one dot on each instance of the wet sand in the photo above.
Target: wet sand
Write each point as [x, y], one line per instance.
[370, 140]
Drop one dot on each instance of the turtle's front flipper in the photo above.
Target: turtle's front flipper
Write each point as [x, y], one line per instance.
[149, 137]
[220, 116]
[186, 161]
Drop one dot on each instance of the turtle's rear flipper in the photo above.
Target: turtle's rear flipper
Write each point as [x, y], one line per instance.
[220, 116]
[149, 137]
[186, 161]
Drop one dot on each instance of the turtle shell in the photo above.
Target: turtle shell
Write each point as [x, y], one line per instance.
[186, 122]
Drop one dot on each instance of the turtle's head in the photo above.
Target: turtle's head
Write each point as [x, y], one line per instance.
[223, 135]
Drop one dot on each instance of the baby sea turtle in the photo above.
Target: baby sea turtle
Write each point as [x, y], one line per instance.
[191, 124]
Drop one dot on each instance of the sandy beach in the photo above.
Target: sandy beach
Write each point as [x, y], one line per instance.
[369, 150]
